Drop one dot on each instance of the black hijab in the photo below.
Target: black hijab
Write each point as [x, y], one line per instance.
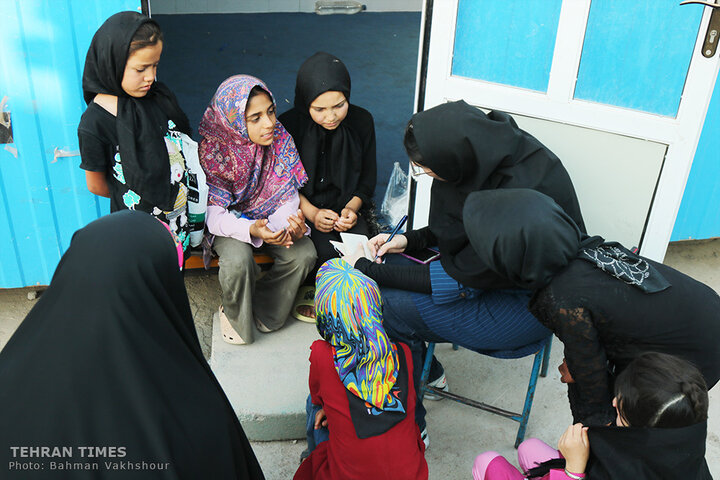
[526, 237]
[141, 122]
[109, 357]
[648, 453]
[322, 73]
[642, 454]
[475, 151]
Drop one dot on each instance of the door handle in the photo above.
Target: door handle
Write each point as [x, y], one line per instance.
[712, 36]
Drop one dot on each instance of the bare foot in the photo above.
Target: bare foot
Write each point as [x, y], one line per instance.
[306, 310]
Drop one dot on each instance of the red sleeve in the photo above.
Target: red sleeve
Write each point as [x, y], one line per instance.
[319, 351]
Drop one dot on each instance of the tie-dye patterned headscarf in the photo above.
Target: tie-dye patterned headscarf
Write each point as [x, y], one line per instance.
[349, 317]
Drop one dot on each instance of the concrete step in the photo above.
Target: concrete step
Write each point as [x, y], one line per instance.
[267, 381]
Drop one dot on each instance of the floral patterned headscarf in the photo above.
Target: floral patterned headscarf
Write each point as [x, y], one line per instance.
[253, 178]
[349, 317]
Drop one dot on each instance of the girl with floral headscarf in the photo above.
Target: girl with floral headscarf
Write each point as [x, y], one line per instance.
[253, 176]
[359, 386]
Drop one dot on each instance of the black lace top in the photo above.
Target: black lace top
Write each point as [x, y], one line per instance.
[605, 323]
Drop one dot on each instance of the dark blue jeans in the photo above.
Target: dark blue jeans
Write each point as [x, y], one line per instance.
[314, 437]
[403, 323]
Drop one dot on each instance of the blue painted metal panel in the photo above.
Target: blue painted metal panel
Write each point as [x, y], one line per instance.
[509, 42]
[636, 54]
[10, 265]
[44, 198]
[699, 214]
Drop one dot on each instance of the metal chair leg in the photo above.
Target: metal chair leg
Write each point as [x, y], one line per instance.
[546, 357]
[529, 396]
[426, 368]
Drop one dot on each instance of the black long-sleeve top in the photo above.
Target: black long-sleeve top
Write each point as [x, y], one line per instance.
[412, 277]
[605, 323]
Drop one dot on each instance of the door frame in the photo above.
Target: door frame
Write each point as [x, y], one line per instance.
[681, 133]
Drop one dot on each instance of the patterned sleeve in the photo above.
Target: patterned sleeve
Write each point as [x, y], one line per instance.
[590, 396]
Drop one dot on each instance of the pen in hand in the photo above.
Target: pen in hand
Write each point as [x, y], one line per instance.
[393, 233]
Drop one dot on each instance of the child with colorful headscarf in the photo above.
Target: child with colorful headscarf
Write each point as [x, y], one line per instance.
[359, 386]
[253, 175]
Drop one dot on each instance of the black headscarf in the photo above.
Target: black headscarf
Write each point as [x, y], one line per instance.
[109, 357]
[475, 151]
[322, 73]
[141, 122]
[642, 454]
[527, 238]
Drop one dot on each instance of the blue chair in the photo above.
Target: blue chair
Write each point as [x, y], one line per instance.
[541, 357]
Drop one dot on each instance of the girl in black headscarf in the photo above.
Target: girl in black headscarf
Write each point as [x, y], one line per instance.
[662, 398]
[107, 367]
[336, 141]
[130, 133]
[606, 304]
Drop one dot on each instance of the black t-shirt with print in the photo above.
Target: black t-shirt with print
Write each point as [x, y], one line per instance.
[99, 152]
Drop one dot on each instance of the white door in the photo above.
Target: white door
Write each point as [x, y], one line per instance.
[618, 90]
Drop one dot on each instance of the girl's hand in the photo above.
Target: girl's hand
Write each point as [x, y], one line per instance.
[260, 230]
[296, 226]
[348, 219]
[325, 220]
[379, 245]
[320, 419]
[575, 447]
[353, 257]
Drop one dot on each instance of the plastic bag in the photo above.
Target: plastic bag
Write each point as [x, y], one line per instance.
[395, 202]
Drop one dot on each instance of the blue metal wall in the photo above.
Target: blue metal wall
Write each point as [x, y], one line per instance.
[43, 197]
[699, 215]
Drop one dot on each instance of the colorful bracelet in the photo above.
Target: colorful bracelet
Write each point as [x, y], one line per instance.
[575, 476]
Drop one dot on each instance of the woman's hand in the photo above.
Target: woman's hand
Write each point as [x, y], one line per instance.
[379, 245]
[325, 220]
[320, 419]
[348, 219]
[575, 447]
[565, 376]
[353, 257]
[296, 226]
[260, 230]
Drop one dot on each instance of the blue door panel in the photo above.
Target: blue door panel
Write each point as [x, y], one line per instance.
[637, 53]
[509, 42]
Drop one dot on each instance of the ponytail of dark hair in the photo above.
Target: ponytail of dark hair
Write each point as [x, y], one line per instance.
[661, 390]
[411, 146]
[147, 35]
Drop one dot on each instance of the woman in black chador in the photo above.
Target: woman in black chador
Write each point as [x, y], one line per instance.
[108, 362]
[606, 304]
[459, 299]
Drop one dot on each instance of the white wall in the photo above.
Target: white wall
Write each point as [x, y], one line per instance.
[263, 6]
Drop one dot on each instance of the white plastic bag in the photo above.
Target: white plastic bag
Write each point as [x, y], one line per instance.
[395, 202]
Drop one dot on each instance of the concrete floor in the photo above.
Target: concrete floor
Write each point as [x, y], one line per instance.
[457, 432]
